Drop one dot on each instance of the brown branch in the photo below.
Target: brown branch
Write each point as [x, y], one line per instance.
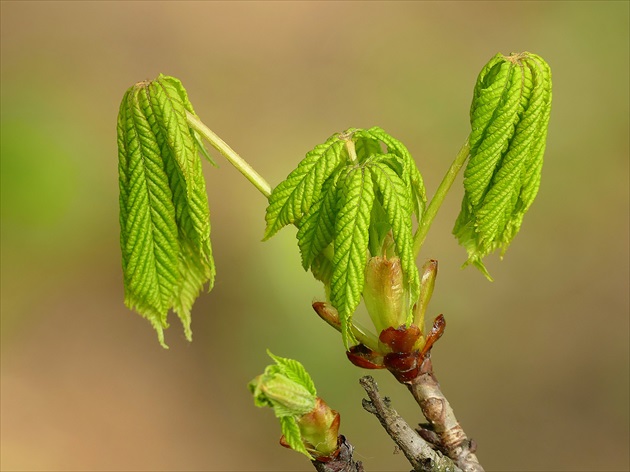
[342, 462]
[420, 454]
[452, 439]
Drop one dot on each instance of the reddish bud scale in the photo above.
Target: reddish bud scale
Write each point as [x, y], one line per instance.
[364, 357]
[404, 362]
[401, 339]
[439, 325]
[405, 366]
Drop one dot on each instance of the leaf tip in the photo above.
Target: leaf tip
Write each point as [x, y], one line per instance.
[477, 262]
[160, 335]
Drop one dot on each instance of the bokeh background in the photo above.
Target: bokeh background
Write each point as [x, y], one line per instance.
[535, 364]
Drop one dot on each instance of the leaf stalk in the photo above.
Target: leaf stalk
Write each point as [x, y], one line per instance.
[237, 161]
[438, 198]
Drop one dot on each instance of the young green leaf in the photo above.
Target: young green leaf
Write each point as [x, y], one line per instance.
[148, 231]
[289, 390]
[411, 175]
[295, 372]
[317, 228]
[286, 387]
[293, 197]
[351, 245]
[293, 436]
[509, 120]
[164, 216]
[192, 216]
[170, 114]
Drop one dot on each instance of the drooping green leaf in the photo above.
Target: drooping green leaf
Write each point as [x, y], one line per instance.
[396, 201]
[293, 436]
[293, 197]
[533, 167]
[164, 216]
[411, 174]
[148, 231]
[192, 215]
[509, 120]
[351, 245]
[175, 84]
[317, 228]
[170, 114]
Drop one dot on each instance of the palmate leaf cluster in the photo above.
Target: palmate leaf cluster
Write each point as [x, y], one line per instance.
[164, 216]
[351, 197]
[509, 118]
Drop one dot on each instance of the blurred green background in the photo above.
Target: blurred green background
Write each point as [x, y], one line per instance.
[535, 364]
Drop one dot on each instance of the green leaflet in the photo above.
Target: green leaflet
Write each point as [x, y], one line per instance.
[411, 175]
[317, 229]
[170, 115]
[286, 387]
[295, 371]
[351, 245]
[293, 197]
[509, 120]
[293, 436]
[164, 216]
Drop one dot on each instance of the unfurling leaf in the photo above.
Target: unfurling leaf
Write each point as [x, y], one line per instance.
[164, 216]
[351, 245]
[295, 371]
[309, 426]
[509, 119]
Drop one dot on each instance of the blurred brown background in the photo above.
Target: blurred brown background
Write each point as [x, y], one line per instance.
[535, 364]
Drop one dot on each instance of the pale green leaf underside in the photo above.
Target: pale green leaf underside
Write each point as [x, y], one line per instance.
[164, 217]
[509, 120]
